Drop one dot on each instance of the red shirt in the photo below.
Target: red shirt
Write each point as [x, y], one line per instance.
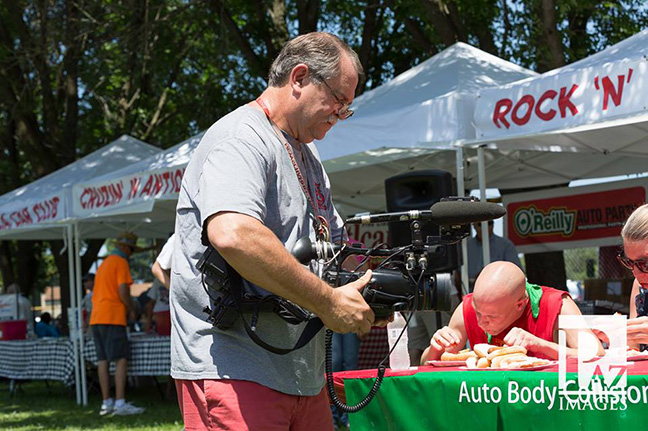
[541, 327]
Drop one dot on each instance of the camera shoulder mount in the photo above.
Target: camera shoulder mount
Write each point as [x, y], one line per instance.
[235, 297]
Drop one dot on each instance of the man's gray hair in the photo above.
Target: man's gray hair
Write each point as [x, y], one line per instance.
[636, 227]
[319, 51]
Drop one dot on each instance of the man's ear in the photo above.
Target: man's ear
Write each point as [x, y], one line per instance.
[299, 77]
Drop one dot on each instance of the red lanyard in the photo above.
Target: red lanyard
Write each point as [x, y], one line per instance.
[320, 223]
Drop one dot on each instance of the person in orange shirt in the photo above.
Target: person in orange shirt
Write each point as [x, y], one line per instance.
[111, 304]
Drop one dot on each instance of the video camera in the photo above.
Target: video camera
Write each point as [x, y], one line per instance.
[402, 281]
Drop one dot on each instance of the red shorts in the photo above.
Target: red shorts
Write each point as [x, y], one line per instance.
[239, 405]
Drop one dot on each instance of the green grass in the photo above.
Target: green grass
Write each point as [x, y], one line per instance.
[39, 407]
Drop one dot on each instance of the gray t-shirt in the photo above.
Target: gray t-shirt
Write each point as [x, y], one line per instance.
[241, 165]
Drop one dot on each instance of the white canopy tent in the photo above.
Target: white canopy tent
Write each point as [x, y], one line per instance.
[41, 210]
[407, 123]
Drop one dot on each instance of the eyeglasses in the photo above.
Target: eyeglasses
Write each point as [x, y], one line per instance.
[344, 112]
[642, 264]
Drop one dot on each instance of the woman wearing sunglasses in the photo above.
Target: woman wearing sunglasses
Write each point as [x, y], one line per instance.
[635, 258]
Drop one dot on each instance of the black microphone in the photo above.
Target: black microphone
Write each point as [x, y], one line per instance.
[448, 212]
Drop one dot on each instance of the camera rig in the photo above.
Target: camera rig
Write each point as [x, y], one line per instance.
[402, 281]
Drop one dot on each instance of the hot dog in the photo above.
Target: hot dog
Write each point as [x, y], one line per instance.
[506, 351]
[483, 349]
[460, 356]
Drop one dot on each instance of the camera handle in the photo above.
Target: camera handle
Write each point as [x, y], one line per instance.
[330, 386]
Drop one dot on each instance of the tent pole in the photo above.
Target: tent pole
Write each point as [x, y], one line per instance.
[72, 319]
[464, 244]
[79, 292]
[482, 192]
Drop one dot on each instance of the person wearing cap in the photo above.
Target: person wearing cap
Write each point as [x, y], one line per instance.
[111, 308]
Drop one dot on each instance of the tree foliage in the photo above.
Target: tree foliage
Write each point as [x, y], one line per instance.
[76, 74]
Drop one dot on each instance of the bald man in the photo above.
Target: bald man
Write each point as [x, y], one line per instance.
[506, 310]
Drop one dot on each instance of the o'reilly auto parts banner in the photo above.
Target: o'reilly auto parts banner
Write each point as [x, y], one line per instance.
[572, 217]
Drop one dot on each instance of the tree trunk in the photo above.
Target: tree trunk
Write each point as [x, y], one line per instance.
[445, 19]
[307, 13]
[61, 261]
[258, 64]
[550, 47]
[27, 261]
[413, 27]
[369, 31]
[6, 265]
[546, 269]
[579, 41]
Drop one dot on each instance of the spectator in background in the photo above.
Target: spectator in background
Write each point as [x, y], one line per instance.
[157, 309]
[24, 307]
[500, 249]
[162, 266]
[112, 305]
[44, 328]
[86, 302]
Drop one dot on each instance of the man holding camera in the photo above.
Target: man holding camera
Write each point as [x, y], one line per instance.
[254, 186]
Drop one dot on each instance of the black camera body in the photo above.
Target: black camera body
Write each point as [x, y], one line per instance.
[404, 281]
[390, 290]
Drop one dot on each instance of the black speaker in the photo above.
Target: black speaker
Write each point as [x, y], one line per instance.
[419, 190]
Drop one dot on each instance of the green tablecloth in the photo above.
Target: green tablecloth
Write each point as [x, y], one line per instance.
[452, 401]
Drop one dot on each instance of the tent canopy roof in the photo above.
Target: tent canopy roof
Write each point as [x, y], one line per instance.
[428, 106]
[176, 156]
[460, 68]
[124, 150]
